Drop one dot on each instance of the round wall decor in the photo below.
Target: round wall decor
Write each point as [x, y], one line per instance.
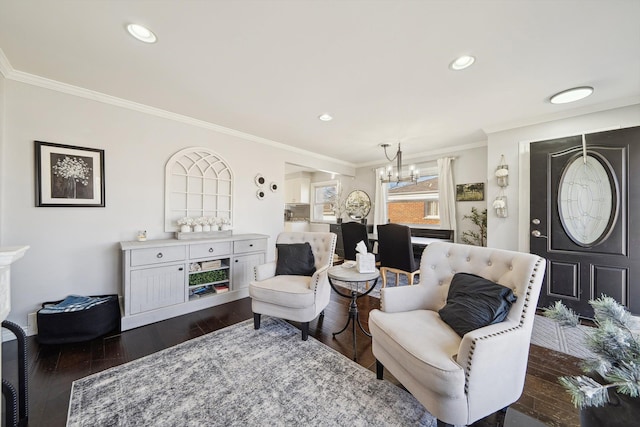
[260, 194]
[260, 180]
[273, 186]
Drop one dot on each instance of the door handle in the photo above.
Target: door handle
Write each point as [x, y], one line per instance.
[537, 234]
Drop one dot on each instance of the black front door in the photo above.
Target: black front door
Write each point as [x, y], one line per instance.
[585, 218]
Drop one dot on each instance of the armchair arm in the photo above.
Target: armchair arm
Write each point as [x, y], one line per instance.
[407, 298]
[319, 279]
[497, 355]
[264, 271]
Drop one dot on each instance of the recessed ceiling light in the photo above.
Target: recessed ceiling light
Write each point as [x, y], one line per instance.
[571, 95]
[465, 61]
[142, 33]
[325, 117]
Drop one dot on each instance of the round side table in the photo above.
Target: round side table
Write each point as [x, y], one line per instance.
[351, 276]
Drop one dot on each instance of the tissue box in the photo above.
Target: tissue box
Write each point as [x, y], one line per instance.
[365, 263]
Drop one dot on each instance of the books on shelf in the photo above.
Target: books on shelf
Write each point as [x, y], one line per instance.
[206, 265]
[222, 287]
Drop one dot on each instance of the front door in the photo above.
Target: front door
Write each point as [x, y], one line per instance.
[585, 218]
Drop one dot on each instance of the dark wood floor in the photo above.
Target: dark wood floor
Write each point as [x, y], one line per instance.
[52, 369]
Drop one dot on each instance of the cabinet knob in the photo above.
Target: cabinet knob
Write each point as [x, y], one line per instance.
[159, 255]
[236, 260]
[250, 245]
[210, 249]
[180, 269]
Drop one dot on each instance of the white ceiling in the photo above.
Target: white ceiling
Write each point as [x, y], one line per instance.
[270, 67]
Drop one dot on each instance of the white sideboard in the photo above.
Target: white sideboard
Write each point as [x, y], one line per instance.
[168, 278]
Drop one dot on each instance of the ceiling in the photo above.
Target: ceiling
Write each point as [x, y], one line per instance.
[269, 68]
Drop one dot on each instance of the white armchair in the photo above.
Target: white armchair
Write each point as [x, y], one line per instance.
[297, 298]
[458, 379]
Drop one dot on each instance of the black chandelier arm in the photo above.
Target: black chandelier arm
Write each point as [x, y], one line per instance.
[384, 146]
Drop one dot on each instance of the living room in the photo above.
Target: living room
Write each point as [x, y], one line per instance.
[76, 250]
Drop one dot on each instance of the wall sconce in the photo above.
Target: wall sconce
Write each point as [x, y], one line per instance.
[502, 177]
[502, 173]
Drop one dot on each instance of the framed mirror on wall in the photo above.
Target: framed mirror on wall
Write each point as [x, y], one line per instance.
[358, 205]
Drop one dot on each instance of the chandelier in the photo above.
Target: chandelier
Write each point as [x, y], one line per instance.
[390, 176]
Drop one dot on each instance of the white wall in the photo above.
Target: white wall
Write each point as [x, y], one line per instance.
[513, 232]
[75, 250]
[470, 166]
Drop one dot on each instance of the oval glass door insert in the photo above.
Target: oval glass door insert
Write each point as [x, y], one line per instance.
[587, 200]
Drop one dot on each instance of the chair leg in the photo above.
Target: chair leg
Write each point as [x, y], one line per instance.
[383, 273]
[379, 369]
[322, 314]
[256, 320]
[443, 424]
[305, 331]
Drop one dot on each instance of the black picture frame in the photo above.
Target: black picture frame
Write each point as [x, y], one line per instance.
[68, 176]
[470, 192]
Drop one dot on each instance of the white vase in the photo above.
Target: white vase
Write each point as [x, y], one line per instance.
[206, 227]
[226, 226]
[197, 228]
[185, 229]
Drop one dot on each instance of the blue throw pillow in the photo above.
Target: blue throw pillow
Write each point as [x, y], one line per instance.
[295, 259]
[474, 302]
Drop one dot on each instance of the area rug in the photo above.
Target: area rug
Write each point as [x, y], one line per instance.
[549, 334]
[238, 376]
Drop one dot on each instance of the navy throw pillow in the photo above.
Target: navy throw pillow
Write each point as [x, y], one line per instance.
[474, 302]
[295, 259]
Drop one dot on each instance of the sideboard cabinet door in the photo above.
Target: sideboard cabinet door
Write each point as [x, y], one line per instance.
[156, 287]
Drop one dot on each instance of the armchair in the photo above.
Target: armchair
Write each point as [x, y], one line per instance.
[297, 298]
[458, 379]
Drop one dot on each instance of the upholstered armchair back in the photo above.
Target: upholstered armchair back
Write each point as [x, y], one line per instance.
[323, 245]
[522, 272]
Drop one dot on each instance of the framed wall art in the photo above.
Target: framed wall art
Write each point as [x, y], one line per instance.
[69, 176]
[470, 192]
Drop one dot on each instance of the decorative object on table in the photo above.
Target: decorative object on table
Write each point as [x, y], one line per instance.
[274, 187]
[477, 238]
[260, 194]
[199, 224]
[608, 393]
[225, 224]
[185, 224]
[358, 205]
[259, 180]
[365, 261]
[338, 204]
[398, 176]
[69, 176]
[142, 236]
[502, 176]
[470, 192]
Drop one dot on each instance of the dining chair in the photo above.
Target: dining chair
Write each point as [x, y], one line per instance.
[352, 233]
[396, 252]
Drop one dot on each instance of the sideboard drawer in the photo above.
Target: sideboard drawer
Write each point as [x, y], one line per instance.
[244, 246]
[157, 255]
[209, 249]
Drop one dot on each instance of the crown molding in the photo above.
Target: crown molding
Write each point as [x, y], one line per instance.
[5, 67]
[595, 108]
[430, 153]
[31, 79]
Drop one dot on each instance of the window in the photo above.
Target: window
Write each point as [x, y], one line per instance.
[324, 196]
[415, 204]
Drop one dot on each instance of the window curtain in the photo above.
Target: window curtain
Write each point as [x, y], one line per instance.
[380, 214]
[447, 196]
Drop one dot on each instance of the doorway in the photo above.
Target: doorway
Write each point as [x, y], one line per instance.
[585, 218]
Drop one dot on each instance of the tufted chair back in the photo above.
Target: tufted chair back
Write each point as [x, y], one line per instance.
[441, 260]
[323, 245]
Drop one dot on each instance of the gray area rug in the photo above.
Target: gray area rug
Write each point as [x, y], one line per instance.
[549, 334]
[238, 376]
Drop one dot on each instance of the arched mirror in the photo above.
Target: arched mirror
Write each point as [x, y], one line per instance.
[358, 205]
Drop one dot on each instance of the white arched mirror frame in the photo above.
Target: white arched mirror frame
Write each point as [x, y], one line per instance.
[198, 183]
